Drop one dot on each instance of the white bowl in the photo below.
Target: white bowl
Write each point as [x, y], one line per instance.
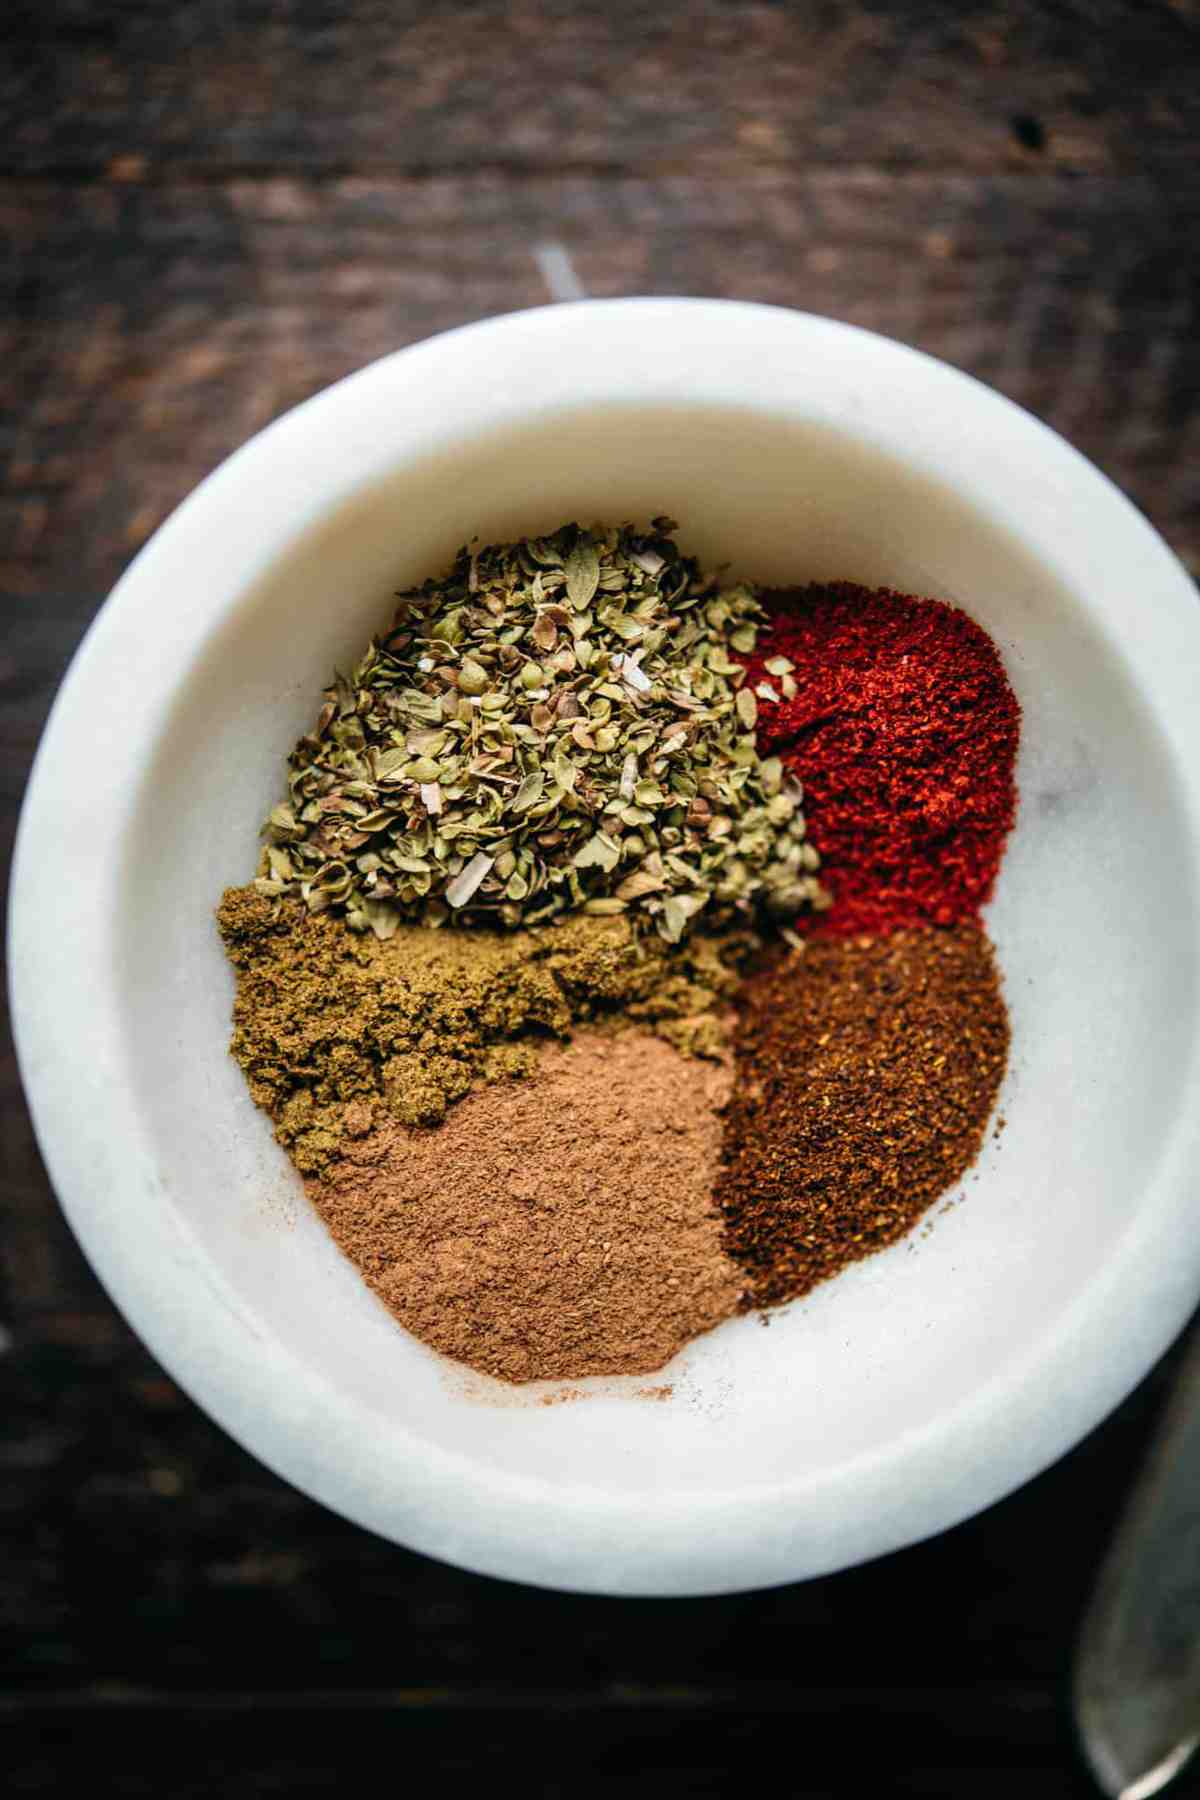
[918, 1386]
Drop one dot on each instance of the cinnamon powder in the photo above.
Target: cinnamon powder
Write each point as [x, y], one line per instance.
[555, 1228]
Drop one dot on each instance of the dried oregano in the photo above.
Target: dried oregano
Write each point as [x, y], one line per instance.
[557, 724]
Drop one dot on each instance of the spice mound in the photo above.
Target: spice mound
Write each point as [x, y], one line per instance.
[896, 714]
[561, 1229]
[865, 1078]
[556, 724]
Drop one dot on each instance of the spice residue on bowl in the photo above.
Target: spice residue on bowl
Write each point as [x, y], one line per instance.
[544, 985]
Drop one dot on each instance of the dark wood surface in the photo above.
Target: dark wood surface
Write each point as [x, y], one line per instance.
[211, 210]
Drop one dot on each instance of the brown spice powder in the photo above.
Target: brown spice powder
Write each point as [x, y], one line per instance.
[866, 1070]
[557, 1228]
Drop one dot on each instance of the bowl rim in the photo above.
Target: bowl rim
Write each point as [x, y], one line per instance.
[300, 469]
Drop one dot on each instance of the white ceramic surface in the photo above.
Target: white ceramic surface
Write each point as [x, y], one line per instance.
[920, 1385]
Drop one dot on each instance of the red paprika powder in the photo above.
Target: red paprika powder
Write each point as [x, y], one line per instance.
[903, 729]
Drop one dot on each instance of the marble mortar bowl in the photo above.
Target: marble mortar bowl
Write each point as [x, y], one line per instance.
[920, 1385]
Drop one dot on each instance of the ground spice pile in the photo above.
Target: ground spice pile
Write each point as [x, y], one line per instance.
[558, 1128]
[336, 1031]
[865, 1073]
[897, 717]
[557, 1230]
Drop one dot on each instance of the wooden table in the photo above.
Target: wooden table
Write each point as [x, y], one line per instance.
[211, 211]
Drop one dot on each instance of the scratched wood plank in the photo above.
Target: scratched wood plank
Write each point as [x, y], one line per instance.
[993, 1742]
[709, 86]
[561, 1755]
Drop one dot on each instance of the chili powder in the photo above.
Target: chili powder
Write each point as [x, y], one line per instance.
[903, 730]
[865, 1073]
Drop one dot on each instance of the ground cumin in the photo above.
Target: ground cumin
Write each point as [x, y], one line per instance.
[866, 1070]
[554, 1230]
[337, 1032]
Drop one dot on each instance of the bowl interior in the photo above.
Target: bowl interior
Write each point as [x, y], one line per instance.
[1092, 920]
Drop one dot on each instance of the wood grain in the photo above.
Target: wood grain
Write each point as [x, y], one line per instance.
[561, 88]
[209, 212]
